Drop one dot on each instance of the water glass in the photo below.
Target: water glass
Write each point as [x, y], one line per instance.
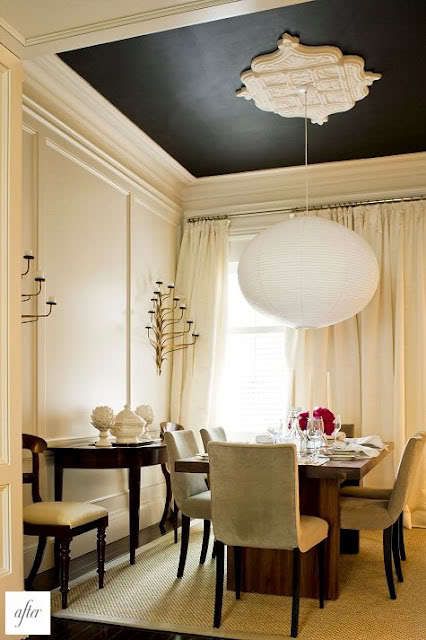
[315, 433]
[337, 423]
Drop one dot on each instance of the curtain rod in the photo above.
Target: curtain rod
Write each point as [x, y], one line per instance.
[335, 205]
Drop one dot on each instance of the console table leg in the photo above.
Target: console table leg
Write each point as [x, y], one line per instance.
[134, 503]
[166, 511]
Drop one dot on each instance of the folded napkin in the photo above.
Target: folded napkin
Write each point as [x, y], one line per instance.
[368, 441]
[367, 447]
[265, 438]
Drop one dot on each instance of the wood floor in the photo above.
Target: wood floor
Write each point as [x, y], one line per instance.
[78, 630]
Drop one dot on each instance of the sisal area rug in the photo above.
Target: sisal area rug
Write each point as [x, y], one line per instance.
[148, 595]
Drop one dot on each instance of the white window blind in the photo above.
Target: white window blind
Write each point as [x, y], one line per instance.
[255, 392]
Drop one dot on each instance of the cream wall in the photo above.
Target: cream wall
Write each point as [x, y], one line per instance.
[96, 231]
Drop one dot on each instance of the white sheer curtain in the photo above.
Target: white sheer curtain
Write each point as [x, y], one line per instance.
[377, 360]
[201, 279]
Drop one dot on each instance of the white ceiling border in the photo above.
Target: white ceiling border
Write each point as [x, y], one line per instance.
[52, 87]
[395, 176]
[129, 25]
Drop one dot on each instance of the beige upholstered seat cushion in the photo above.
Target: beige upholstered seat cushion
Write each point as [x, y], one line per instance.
[367, 492]
[198, 506]
[364, 513]
[312, 531]
[71, 514]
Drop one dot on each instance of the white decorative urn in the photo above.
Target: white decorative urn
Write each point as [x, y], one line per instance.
[145, 412]
[128, 426]
[102, 418]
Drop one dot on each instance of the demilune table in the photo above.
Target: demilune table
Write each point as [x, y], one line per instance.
[269, 570]
[131, 458]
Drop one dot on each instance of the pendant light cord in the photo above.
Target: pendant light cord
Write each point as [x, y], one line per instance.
[306, 152]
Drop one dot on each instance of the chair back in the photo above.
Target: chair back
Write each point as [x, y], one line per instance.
[36, 445]
[406, 471]
[255, 494]
[182, 444]
[169, 426]
[349, 429]
[216, 433]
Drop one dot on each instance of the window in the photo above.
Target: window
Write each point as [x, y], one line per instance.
[256, 379]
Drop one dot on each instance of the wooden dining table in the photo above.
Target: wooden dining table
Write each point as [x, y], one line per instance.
[269, 570]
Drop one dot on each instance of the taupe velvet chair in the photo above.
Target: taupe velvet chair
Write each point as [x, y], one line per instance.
[215, 433]
[60, 520]
[172, 426]
[255, 503]
[382, 509]
[383, 494]
[190, 491]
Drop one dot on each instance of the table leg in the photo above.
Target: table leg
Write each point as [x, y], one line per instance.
[59, 486]
[166, 511]
[349, 541]
[134, 504]
[59, 480]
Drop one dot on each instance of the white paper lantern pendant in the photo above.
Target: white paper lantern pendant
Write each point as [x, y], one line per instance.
[309, 272]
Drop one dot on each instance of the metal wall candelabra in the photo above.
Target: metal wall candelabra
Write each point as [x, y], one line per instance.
[39, 279]
[169, 329]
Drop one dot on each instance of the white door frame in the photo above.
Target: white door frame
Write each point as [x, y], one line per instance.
[11, 533]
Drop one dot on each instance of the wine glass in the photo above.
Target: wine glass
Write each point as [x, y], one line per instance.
[337, 426]
[315, 433]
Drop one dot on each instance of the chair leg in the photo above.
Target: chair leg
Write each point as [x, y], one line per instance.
[206, 538]
[183, 545]
[395, 552]
[100, 548]
[220, 570]
[387, 556]
[237, 571]
[36, 564]
[175, 522]
[296, 594]
[401, 537]
[64, 569]
[321, 572]
[214, 550]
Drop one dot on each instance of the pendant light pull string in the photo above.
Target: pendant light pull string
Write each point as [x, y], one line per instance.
[306, 153]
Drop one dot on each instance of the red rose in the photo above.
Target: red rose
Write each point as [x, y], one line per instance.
[319, 412]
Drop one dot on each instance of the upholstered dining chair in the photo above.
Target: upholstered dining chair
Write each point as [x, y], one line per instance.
[255, 503]
[172, 426]
[190, 491]
[217, 434]
[385, 494]
[60, 520]
[383, 509]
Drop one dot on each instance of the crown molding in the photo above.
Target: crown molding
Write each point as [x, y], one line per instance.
[129, 24]
[276, 189]
[54, 88]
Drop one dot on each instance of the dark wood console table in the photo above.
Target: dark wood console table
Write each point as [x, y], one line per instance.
[131, 458]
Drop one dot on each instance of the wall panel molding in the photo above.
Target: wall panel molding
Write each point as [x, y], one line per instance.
[157, 201]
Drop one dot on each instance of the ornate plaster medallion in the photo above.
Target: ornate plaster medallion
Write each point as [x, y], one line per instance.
[334, 82]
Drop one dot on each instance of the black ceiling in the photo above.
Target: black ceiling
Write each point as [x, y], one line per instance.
[179, 86]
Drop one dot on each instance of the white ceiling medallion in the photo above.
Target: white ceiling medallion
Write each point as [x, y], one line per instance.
[334, 82]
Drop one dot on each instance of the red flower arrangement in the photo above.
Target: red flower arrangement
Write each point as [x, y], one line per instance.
[319, 412]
